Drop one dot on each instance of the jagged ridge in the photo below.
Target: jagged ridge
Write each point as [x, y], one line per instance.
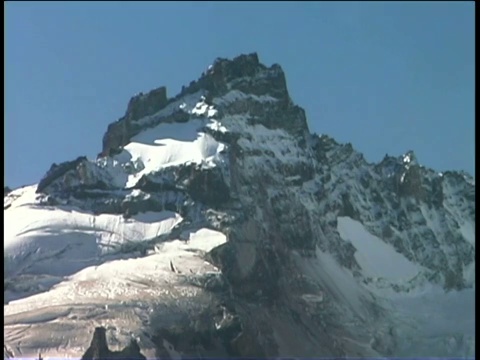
[239, 158]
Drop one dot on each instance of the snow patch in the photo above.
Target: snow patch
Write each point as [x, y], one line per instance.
[376, 258]
[148, 278]
[237, 95]
[468, 232]
[72, 239]
[172, 144]
[21, 196]
[216, 126]
[187, 103]
[202, 108]
[203, 239]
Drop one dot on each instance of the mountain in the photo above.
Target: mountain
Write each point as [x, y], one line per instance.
[215, 224]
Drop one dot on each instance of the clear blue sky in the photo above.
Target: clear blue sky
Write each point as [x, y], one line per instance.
[387, 77]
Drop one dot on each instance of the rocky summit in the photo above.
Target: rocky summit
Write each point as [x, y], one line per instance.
[215, 224]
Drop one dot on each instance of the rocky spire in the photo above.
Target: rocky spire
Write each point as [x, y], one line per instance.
[98, 349]
[139, 106]
[243, 73]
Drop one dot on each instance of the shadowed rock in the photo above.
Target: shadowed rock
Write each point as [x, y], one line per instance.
[98, 349]
[139, 106]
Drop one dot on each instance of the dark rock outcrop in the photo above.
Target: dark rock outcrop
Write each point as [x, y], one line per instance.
[117, 135]
[57, 171]
[139, 106]
[146, 104]
[240, 74]
[98, 349]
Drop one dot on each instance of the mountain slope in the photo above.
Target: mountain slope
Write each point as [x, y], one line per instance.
[213, 224]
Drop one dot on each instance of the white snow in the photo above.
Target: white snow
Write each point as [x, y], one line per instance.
[468, 231]
[293, 178]
[203, 240]
[217, 126]
[172, 144]
[35, 235]
[206, 239]
[276, 141]
[187, 103]
[315, 298]
[167, 143]
[116, 280]
[237, 95]
[21, 196]
[117, 294]
[202, 108]
[376, 258]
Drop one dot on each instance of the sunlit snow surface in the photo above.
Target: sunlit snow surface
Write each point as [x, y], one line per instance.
[69, 270]
[164, 144]
[376, 258]
[73, 278]
[172, 144]
[59, 241]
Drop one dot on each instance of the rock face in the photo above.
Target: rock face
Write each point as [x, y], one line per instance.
[232, 157]
[139, 106]
[98, 349]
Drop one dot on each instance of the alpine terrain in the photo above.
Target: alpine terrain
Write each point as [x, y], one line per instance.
[213, 223]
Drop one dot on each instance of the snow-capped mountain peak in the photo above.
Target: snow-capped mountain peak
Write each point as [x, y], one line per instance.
[213, 223]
